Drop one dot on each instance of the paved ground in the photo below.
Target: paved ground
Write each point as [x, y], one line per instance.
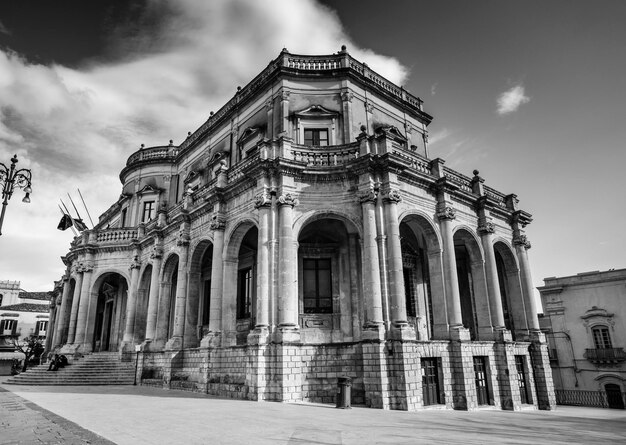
[141, 415]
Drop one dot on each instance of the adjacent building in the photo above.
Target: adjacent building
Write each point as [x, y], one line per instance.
[22, 314]
[585, 323]
[304, 233]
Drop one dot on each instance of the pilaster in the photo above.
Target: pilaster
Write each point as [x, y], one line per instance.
[546, 398]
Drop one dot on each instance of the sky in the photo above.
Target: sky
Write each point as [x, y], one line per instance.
[530, 93]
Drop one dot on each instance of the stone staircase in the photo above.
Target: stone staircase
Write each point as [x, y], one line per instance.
[101, 368]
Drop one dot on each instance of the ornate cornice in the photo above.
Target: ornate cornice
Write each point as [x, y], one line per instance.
[288, 199]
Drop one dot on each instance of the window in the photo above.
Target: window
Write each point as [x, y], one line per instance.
[0, 299]
[431, 381]
[409, 291]
[40, 328]
[317, 286]
[316, 136]
[601, 338]
[123, 218]
[522, 381]
[8, 327]
[244, 293]
[482, 384]
[206, 304]
[148, 211]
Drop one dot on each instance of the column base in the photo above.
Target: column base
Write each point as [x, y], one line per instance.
[287, 334]
[503, 335]
[174, 344]
[259, 336]
[212, 339]
[373, 331]
[460, 333]
[401, 332]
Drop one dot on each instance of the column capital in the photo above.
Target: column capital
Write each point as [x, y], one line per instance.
[346, 96]
[218, 221]
[135, 263]
[262, 200]
[157, 252]
[288, 199]
[284, 95]
[522, 240]
[368, 195]
[269, 105]
[84, 267]
[486, 228]
[446, 213]
[392, 196]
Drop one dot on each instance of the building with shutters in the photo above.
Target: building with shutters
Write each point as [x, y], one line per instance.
[303, 233]
[585, 323]
[22, 314]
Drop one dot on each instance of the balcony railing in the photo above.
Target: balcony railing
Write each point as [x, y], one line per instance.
[605, 355]
[325, 156]
[116, 235]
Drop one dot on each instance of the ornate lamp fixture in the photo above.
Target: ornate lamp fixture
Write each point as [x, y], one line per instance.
[11, 178]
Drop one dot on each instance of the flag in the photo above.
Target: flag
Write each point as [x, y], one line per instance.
[79, 224]
[65, 223]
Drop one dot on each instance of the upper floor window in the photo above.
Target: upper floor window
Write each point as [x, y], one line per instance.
[244, 293]
[317, 286]
[8, 327]
[601, 338]
[40, 328]
[316, 136]
[148, 211]
[123, 218]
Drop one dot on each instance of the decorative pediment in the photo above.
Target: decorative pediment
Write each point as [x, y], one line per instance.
[147, 189]
[316, 112]
[123, 197]
[597, 315]
[391, 132]
[194, 174]
[249, 133]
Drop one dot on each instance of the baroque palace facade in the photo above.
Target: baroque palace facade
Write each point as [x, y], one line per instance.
[302, 234]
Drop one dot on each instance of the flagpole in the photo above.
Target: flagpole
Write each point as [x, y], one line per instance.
[65, 207]
[74, 205]
[71, 227]
[86, 209]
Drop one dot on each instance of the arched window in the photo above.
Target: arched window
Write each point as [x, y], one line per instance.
[601, 337]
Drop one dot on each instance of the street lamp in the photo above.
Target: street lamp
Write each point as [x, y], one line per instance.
[11, 178]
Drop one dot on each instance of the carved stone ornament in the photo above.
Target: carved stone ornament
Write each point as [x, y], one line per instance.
[347, 96]
[369, 195]
[84, 267]
[486, 228]
[183, 236]
[262, 200]
[285, 95]
[217, 222]
[156, 253]
[408, 128]
[269, 105]
[288, 199]
[369, 107]
[392, 196]
[135, 263]
[447, 213]
[522, 240]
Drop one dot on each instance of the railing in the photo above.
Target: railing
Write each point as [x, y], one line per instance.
[605, 355]
[163, 152]
[598, 399]
[463, 182]
[116, 235]
[314, 63]
[418, 163]
[499, 198]
[325, 156]
[238, 170]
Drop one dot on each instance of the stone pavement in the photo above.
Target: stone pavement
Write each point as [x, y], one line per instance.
[143, 415]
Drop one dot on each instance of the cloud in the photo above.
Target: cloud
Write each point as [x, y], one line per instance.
[76, 127]
[4, 29]
[433, 88]
[510, 100]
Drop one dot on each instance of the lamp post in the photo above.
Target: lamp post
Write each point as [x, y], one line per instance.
[11, 178]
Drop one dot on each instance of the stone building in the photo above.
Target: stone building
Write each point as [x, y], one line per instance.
[585, 323]
[303, 233]
[22, 314]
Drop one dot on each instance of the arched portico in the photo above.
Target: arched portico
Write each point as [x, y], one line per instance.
[513, 307]
[110, 293]
[167, 301]
[143, 293]
[423, 276]
[198, 293]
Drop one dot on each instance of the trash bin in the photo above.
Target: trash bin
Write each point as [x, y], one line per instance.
[344, 389]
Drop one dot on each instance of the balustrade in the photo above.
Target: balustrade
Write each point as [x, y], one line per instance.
[325, 156]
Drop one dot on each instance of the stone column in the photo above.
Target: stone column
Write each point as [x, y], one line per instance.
[284, 111]
[397, 296]
[83, 309]
[153, 298]
[521, 246]
[491, 272]
[61, 321]
[269, 107]
[131, 304]
[287, 266]
[453, 300]
[71, 330]
[217, 275]
[371, 268]
[260, 333]
[346, 101]
[176, 342]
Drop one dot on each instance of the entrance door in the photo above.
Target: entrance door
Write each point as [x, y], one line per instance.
[482, 386]
[521, 378]
[614, 396]
[430, 381]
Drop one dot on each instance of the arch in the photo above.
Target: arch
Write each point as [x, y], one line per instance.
[110, 292]
[475, 311]
[327, 277]
[352, 226]
[422, 272]
[106, 271]
[238, 300]
[167, 298]
[198, 291]
[141, 313]
[510, 284]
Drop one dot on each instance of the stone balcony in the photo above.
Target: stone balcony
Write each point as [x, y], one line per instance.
[605, 356]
